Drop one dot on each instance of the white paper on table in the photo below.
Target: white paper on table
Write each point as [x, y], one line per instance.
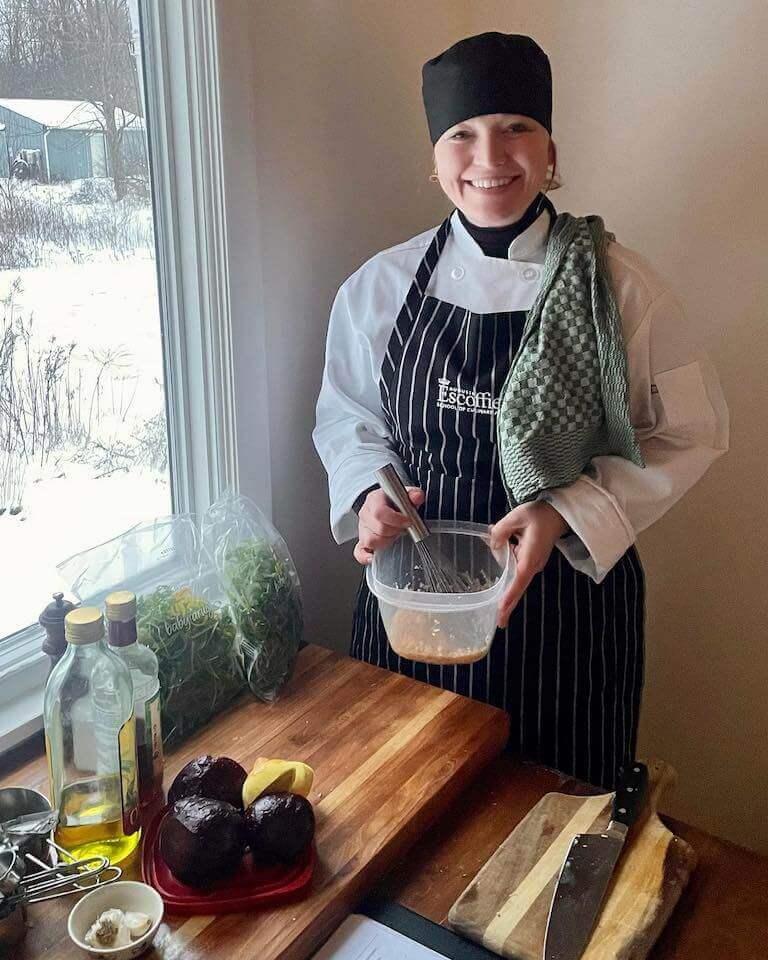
[360, 938]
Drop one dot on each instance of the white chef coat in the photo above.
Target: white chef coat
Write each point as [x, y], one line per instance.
[677, 406]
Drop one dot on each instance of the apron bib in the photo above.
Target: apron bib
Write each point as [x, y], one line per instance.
[569, 667]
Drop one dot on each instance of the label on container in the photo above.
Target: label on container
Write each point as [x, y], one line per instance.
[92, 747]
[129, 794]
[154, 735]
[53, 784]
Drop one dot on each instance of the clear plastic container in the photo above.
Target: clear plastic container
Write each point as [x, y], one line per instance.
[441, 627]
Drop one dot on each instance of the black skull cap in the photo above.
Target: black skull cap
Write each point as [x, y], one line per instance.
[487, 73]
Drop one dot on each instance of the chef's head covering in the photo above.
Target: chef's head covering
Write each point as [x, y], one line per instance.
[488, 73]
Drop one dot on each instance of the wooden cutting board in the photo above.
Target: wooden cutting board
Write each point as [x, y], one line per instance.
[390, 756]
[506, 906]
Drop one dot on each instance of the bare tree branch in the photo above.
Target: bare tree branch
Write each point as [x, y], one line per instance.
[73, 49]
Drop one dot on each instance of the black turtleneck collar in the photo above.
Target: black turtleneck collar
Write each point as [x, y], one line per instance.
[495, 241]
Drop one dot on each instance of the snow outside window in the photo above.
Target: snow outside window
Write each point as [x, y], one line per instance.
[98, 411]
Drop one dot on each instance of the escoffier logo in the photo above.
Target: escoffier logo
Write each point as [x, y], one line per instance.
[450, 397]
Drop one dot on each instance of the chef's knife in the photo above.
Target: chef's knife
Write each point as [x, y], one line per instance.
[587, 870]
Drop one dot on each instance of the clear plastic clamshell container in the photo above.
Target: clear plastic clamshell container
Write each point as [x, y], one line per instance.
[441, 627]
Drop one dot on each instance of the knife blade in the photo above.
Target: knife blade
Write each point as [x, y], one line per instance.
[588, 868]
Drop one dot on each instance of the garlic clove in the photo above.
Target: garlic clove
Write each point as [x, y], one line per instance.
[136, 923]
[109, 930]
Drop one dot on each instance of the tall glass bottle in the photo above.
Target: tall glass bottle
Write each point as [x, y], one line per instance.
[120, 608]
[90, 739]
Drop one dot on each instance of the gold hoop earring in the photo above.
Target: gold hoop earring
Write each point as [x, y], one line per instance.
[433, 177]
[543, 192]
[552, 178]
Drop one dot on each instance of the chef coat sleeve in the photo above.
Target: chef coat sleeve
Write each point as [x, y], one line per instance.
[681, 424]
[350, 434]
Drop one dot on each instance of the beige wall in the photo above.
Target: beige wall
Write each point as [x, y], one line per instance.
[661, 121]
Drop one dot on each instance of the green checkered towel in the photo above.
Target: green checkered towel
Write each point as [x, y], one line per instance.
[566, 396]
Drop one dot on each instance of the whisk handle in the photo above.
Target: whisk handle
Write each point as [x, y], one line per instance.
[392, 485]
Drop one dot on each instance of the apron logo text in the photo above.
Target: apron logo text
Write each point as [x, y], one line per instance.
[450, 397]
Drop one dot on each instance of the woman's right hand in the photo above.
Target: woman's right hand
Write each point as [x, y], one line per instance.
[380, 524]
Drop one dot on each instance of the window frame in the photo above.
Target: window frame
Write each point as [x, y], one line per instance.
[181, 82]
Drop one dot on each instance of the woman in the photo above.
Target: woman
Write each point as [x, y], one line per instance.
[426, 345]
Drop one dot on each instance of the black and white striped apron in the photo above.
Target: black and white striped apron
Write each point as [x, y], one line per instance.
[569, 667]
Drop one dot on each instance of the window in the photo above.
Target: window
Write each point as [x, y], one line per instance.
[82, 386]
[115, 379]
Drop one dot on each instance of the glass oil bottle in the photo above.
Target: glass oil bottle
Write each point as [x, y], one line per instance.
[90, 739]
[120, 608]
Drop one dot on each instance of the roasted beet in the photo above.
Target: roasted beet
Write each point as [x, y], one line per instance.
[202, 840]
[279, 826]
[217, 778]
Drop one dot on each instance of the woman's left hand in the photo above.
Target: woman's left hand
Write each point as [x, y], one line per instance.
[536, 527]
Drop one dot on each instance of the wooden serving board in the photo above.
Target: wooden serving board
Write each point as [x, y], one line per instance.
[390, 756]
[506, 906]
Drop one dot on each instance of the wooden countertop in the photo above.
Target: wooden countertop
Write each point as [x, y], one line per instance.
[390, 757]
[723, 914]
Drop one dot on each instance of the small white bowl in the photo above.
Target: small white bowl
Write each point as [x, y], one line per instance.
[125, 895]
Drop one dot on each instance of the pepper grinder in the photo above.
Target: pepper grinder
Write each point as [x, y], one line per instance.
[52, 618]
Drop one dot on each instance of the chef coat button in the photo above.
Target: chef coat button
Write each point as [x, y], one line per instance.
[457, 273]
[530, 274]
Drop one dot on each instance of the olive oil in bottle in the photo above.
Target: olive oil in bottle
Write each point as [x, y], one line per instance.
[120, 608]
[90, 739]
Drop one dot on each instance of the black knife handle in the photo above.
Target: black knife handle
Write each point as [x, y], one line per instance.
[631, 787]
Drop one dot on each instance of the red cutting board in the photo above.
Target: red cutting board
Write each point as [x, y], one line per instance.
[251, 886]
[506, 906]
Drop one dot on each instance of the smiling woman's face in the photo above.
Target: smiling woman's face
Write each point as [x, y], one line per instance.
[493, 166]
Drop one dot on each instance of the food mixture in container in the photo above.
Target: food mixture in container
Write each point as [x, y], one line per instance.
[436, 627]
[420, 635]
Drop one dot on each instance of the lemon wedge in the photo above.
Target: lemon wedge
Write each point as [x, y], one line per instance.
[269, 776]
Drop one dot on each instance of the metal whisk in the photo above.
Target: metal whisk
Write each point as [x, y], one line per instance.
[438, 578]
